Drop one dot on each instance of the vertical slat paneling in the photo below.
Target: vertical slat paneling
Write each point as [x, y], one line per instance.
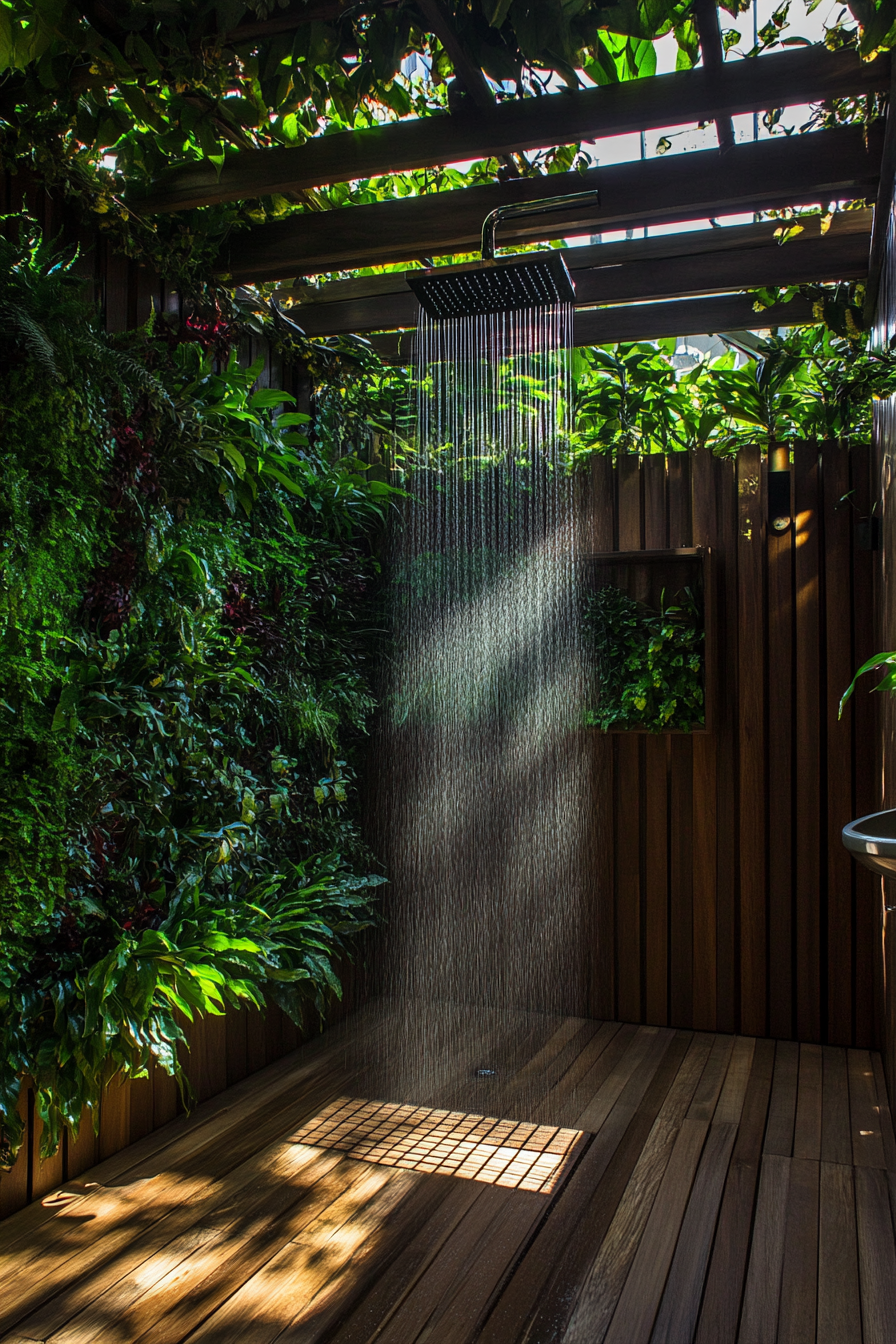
[601, 518]
[727, 892]
[867, 905]
[780, 778]
[751, 716]
[839, 667]
[627, 832]
[704, 809]
[808, 728]
[681, 789]
[656, 796]
[82, 1153]
[115, 1118]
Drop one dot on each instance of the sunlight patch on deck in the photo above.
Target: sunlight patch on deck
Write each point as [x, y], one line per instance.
[444, 1143]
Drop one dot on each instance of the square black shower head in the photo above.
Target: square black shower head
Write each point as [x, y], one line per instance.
[531, 280]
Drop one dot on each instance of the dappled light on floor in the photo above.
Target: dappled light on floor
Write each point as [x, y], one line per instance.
[445, 1143]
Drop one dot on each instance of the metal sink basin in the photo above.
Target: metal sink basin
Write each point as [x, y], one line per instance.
[872, 840]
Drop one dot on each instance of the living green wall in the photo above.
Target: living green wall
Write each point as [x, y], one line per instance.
[186, 580]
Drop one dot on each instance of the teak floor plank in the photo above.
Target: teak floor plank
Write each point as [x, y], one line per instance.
[762, 1291]
[562, 1102]
[448, 1202]
[150, 1190]
[286, 1290]
[177, 1196]
[799, 1281]
[731, 1101]
[466, 1300]
[228, 1109]
[712, 1080]
[178, 1301]
[864, 1112]
[440, 1280]
[541, 1294]
[782, 1107]
[680, 1305]
[877, 1256]
[836, 1131]
[839, 1308]
[647, 1047]
[720, 1311]
[181, 1147]
[606, 1281]
[586, 1076]
[123, 1278]
[807, 1134]
[886, 1118]
[724, 1190]
[641, 1296]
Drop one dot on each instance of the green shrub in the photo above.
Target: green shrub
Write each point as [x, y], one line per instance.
[648, 663]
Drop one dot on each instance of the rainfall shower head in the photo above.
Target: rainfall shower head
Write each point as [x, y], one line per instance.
[505, 284]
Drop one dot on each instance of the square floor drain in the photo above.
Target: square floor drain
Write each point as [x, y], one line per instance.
[448, 1143]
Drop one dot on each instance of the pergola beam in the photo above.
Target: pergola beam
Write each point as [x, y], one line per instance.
[695, 242]
[838, 256]
[645, 322]
[809, 75]
[768, 174]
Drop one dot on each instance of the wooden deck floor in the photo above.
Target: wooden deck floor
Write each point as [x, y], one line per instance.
[672, 1186]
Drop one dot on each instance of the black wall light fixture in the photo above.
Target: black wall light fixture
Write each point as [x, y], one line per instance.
[780, 513]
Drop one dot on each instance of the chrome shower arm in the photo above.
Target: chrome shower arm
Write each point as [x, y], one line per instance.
[544, 207]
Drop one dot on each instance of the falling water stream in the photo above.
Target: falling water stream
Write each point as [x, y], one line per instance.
[484, 776]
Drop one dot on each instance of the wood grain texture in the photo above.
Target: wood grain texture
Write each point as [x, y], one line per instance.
[762, 1291]
[720, 1310]
[839, 667]
[799, 1281]
[780, 779]
[839, 1308]
[751, 729]
[666, 1224]
[807, 807]
[877, 1256]
[754, 176]
[511, 127]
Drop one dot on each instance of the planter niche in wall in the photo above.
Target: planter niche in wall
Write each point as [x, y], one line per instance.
[648, 631]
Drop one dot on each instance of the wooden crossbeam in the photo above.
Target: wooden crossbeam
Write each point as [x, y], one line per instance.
[765, 175]
[645, 322]
[839, 256]
[812, 74]
[693, 242]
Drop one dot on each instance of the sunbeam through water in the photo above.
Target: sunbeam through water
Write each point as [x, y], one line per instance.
[485, 790]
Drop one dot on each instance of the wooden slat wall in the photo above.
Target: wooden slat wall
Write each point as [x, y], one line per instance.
[734, 907]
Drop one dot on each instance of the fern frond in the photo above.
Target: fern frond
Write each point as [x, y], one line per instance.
[33, 336]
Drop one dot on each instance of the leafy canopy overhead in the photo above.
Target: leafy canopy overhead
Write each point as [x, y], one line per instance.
[101, 94]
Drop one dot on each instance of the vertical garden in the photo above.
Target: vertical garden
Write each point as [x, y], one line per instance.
[187, 578]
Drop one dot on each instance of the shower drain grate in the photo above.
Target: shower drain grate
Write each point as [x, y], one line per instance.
[451, 1143]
